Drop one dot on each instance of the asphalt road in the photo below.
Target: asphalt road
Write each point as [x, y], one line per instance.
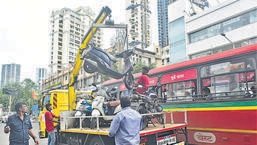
[4, 138]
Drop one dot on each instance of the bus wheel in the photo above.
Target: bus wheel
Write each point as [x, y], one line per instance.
[96, 141]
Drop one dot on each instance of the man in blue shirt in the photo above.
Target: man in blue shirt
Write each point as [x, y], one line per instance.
[126, 124]
[19, 126]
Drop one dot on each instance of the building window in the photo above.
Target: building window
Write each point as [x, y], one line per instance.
[225, 26]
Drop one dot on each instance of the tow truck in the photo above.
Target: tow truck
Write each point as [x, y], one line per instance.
[70, 134]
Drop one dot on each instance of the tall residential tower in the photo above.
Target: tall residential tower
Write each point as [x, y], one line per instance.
[41, 74]
[162, 8]
[138, 18]
[67, 29]
[10, 74]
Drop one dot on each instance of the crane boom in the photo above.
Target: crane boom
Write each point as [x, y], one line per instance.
[106, 11]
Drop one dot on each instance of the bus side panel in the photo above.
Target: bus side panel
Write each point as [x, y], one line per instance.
[221, 127]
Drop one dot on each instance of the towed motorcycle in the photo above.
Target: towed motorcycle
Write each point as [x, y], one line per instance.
[97, 60]
[104, 105]
[148, 104]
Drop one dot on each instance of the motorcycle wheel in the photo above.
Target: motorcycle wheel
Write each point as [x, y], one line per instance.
[129, 80]
[141, 109]
[144, 122]
[160, 119]
[86, 122]
[93, 123]
[88, 68]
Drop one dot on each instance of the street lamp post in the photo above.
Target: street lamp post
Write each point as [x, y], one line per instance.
[224, 35]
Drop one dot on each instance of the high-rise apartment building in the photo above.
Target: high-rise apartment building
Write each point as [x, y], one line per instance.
[10, 74]
[41, 74]
[162, 8]
[138, 19]
[67, 29]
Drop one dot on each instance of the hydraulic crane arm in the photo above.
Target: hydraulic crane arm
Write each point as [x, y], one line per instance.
[106, 11]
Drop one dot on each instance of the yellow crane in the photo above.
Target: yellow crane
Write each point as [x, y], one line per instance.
[63, 100]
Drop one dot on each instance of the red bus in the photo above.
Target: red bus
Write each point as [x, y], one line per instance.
[225, 116]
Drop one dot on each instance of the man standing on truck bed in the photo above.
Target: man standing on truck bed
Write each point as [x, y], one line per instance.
[49, 121]
[126, 125]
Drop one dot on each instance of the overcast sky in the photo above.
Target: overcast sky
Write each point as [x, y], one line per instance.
[24, 29]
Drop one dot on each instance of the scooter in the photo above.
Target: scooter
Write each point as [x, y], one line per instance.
[97, 60]
[102, 109]
[84, 105]
[83, 108]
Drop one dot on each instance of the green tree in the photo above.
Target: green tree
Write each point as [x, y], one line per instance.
[139, 65]
[24, 94]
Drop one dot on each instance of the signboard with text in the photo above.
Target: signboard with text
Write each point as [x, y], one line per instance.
[179, 76]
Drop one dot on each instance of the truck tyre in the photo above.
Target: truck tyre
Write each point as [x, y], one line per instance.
[96, 141]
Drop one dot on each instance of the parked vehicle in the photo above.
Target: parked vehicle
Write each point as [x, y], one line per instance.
[148, 104]
[1, 112]
[104, 105]
[6, 115]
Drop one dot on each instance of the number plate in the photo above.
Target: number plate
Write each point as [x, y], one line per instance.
[181, 143]
[169, 139]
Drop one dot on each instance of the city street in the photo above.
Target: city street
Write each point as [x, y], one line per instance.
[4, 138]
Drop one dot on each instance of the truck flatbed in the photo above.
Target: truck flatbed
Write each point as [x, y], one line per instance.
[151, 129]
[154, 133]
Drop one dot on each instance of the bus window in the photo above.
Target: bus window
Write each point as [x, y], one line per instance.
[250, 63]
[228, 67]
[181, 91]
[229, 79]
[234, 85]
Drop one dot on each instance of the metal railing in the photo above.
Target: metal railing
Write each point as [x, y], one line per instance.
[69, 121]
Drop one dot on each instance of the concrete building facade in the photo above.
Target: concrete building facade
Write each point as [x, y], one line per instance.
[230, 24]
[194, 33]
